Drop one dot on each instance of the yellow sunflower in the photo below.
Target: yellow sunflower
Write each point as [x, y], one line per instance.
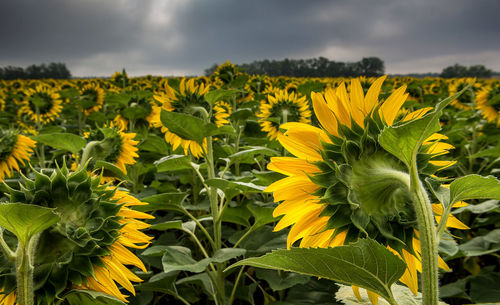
[15, 149]
[464, 101]
[40, 105]
[282, 107]
[342, 185]
[120, 146]
[222, 111]
[488, 101]
[88, 248]
[91, 98]
[189, 96]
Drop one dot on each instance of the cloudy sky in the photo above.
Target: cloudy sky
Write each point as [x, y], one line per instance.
[183, 37]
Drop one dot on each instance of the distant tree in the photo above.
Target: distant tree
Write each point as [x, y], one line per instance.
[479, 71]
[313, 67]
[53, 70]
[371, 66]
[458, 70]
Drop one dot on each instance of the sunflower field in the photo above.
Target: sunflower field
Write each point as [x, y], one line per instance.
[248, 189]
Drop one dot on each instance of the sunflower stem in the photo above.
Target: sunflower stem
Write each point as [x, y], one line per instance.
[428, 240]
[24, 272]
[7, 251]
[214, 204]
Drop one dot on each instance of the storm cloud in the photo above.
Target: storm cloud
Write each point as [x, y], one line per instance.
[183, 37]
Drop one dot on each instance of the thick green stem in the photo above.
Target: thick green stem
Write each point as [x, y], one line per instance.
[87, 150]
[7, 251]
[214, 204]
[24, 272]
[428, 241]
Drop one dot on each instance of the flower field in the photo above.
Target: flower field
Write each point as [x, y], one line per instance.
[249, 189]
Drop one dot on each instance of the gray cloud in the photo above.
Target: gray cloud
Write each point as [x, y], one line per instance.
[185, 36]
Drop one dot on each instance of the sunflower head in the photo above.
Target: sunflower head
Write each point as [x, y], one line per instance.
[87, 247]
[91, 98]
[114, 146]
[190, 98]
[226, 73]
[282, 107]
[15, 150]
[41, 105]
[488, 101]
[343, 185]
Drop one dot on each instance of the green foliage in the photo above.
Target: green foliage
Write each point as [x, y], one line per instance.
[66, 141]
[365, 264]
[26, 220]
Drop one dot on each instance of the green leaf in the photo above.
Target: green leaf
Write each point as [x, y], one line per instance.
[219, 95]
[281, 280]
[404, 141]
[174, 224]
[65, 141]
[202, 280]
[483, 207]
[173, 163]
[251, 152]
[481, 245]
[26, 220]
[484, 288]
[178, 258]
[165, 201]
[366, 264]
[113, 169]
[238, 215]
[161, 282]
[490, 152]
[187, 126]
[474, 187]
[156, 144]
[241, 114]
[225, 254]
[262, 215]
[90, 297]
[234, 188]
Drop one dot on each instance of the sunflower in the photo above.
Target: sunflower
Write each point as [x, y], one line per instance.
[15, 149]
[488, 101]
[91, 98]
[40, 105]
[282, 107]
[222, 111]
[116, 146]
[226, 73]
[464, 101]
[342, 185]
[185, 100]
[88, 247]
[2, 102]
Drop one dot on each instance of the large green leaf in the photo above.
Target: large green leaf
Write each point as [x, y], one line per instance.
[403, 141]
[474, 187]
[366, 264]
[219, 95]
[187, 126]
[481, 245]
[90, 297]
[173, 163]
[165, 201]
[178, 258]
[234, 188]
[66, 141]
[26, 220]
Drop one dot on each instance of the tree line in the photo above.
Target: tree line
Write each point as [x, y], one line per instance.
[52, 70]
[458, 70]
[314, 67]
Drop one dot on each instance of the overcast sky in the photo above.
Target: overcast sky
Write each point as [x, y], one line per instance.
[183, 37]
